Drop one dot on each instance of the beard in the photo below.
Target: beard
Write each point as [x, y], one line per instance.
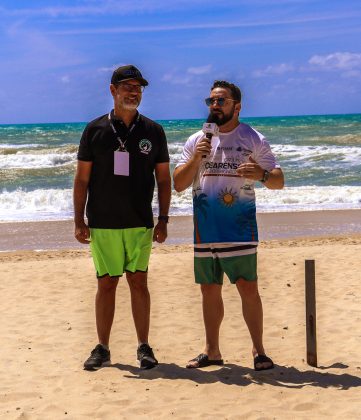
[220, 118]
[130, 107]
[129, 104]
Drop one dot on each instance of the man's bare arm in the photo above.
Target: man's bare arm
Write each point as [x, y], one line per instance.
[252, 170]
[162, 176]
[275, 180]
[80, 193]
[184, 175]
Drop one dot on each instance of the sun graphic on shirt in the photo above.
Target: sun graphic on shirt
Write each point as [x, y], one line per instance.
[227, 197]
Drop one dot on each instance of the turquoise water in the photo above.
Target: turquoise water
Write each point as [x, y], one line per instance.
[320, 155]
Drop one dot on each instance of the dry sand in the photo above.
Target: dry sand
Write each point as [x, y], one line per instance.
[47, 331]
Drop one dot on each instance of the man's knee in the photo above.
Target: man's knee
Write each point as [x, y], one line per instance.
[211, 289]
[137, 282]
[107, 284]
[247, 289]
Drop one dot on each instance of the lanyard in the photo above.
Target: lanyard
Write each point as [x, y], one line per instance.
[122, 143]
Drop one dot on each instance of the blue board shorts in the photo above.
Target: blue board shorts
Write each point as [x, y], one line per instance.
[237, 261]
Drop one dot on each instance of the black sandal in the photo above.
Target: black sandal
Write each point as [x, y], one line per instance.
[203, 361]
[262, 358]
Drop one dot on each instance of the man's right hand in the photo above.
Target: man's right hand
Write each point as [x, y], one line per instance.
[184, 175]
[203, 148]
[82, 233]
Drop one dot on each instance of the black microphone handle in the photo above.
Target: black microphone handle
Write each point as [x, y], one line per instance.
[209, 137]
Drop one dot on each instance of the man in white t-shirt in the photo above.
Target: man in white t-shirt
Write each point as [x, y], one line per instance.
[223, 172]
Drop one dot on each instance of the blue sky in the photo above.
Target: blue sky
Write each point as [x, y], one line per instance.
[290, 57]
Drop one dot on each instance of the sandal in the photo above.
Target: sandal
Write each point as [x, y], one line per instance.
[202, 361]
[262, 358]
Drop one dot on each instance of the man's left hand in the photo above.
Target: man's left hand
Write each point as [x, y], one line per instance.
[160, 232]
[250, 170]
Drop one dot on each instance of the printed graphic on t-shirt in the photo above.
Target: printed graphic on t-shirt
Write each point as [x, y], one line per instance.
[222, 209]
[223, 202]
[145, 146]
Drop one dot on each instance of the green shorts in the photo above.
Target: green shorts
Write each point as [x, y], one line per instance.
[211, 262]
[115, 251]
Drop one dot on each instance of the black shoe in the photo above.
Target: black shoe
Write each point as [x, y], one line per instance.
[146, 357]
[99, 357]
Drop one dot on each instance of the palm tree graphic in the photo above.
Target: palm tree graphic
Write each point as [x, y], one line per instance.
[245, 223]
[199, 205]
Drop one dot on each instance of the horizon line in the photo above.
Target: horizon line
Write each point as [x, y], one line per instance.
[192, 119]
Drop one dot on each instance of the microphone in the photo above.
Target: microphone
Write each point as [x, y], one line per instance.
[210, 129]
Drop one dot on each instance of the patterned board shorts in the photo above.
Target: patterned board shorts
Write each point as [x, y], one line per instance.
[211, 261]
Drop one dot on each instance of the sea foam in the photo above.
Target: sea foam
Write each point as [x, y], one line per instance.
[35, 161]
[56, 204]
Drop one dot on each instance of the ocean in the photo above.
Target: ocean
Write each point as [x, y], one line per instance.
[320, 156]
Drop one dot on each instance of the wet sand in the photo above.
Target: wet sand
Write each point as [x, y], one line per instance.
[59, 234]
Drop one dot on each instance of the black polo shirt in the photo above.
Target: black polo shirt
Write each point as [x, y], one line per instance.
[115, 201]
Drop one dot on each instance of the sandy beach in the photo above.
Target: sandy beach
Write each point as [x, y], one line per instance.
[278, 225]
[47, 331]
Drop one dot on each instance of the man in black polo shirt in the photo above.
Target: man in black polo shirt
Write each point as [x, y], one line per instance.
[119, 154]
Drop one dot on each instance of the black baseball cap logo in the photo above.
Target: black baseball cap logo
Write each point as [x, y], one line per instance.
[127, 73]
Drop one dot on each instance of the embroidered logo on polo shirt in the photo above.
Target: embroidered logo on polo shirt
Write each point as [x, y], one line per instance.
[145, 146]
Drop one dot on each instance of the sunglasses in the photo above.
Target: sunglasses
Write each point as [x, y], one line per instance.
[129, 87]
[219, 101]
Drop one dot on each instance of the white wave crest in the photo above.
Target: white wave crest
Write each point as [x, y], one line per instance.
[307, 155]
[20, 146]
[303, 155]
[36, 205]
[35, 161]
[309, 198]
[56, 204]
[289, 199]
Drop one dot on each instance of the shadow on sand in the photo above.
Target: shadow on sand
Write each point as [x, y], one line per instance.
[230, 374]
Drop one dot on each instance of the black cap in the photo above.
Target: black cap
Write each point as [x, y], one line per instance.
[128, 72]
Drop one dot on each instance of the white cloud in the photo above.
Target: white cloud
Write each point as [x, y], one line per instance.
[111, 7]
[356, 74]
[207, 26]
[38, 50]
[274, 70]
[103, 9]
[176, 79]
[111, 68]
[187, 77]
[200, 70]
[65, 79]
[108, 7]
[302, 81]
[336, 61]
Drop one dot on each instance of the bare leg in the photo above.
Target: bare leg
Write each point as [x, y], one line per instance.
[140, 300]
[213, 313]
[252, 313]
[105, 306]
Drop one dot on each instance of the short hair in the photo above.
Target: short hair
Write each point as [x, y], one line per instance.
[235, 90]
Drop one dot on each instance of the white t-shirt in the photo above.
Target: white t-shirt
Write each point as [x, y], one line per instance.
[224, 204]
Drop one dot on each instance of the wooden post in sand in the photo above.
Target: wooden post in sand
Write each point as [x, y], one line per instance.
[310, 312]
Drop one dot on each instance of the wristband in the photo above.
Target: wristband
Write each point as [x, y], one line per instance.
[163, 219]
[265, 177]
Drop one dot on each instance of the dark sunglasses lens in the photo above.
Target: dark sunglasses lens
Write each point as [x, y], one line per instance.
[212, 101]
